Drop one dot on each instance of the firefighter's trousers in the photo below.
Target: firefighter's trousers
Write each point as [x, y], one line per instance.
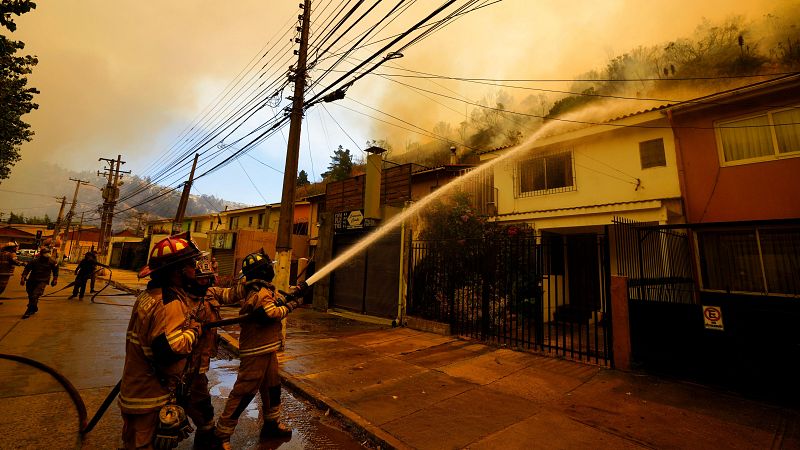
[138, 430]
[257, 374]
[35, 290]
[199, 407]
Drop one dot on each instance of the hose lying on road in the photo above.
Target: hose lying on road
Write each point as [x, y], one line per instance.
[83, 425]
[73, 393]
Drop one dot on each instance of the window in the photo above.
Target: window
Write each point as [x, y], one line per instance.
[198, 226]
[761, 137]
[651, 153]
[261, 220]
[233, 223]
[250, 221]
[753, 260]
[545, 174]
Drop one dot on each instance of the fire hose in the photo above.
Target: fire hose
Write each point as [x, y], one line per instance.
[84, 425]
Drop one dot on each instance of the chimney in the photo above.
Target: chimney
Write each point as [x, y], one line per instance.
[372, 188]
[453, 157]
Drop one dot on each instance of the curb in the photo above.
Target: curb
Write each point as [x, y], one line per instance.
[350, 418]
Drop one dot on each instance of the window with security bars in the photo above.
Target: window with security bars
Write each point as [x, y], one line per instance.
[651, 153]
[762, 137]
[545, 174]
[751, 260]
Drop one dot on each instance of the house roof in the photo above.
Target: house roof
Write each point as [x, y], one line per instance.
[85, 235]
[444, 168]
[739, 93]
[716, 98]
[13, 232]
[126, 233]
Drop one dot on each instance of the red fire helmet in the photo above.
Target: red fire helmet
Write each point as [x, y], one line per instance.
[170, 251]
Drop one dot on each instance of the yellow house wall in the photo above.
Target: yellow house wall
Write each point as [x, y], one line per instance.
[606, 166]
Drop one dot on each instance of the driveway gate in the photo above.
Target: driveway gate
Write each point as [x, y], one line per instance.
[547, 293]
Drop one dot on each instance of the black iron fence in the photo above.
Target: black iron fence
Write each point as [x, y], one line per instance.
[657, 261]
[546, 293]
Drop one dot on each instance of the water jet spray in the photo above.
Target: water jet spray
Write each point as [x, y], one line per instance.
[397, 220]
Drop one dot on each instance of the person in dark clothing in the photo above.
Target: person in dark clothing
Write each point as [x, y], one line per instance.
[93, 255]
[8, 262]
[35, 277]
[83, 273]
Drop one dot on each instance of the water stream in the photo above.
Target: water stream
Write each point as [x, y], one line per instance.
[424, 202]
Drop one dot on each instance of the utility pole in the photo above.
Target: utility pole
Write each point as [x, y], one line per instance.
[139, 219]
[110, 196]
[177, 224]
[286, 220]
[77, 239]
[68, 219]
[57, 227]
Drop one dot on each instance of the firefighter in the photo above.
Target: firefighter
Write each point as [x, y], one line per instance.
[8, 261]
[35, 277]
[162, 332]
[207, 299]
[258, 345]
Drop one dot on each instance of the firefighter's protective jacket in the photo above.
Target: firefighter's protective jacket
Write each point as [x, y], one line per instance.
[8, 260]
[209, 312]
[150, 373]
[39, 270]
[260, 337]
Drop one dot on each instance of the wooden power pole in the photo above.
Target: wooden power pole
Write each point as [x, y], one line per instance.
[57, 227]
[110, 196]
[286, 220]
[177, 224]
[68, 219]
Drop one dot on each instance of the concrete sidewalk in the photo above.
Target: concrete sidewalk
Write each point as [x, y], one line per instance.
[411, 389]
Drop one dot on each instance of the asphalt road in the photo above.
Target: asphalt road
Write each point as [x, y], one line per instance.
[85, 341]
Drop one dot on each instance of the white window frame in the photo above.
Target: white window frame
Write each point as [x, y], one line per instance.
[776, 155]
[519, 193]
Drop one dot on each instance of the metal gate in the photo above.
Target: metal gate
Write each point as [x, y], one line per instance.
[545, 292]
[368, 282]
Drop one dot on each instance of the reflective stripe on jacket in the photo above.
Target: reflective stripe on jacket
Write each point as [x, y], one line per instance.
[258, 338]
[146, 384]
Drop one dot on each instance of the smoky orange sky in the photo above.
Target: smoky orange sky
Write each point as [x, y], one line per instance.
[126, 77]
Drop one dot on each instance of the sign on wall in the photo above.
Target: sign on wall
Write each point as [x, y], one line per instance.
[221, 240]
[712, 318]
[352, 220]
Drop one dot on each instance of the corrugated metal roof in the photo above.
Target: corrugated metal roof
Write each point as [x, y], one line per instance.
[575, 208]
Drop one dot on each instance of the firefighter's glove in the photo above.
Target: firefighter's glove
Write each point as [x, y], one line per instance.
[54, 282]
[256, 285]
[296, 294]
[197, 327]
[173, 427]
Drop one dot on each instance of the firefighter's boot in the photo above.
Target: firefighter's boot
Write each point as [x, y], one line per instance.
[206, 440]
[275, 429]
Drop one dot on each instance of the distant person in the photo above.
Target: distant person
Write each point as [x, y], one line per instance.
[83, 273]
[8, 261]
[215, 269]
[35, 277]
[93, 255]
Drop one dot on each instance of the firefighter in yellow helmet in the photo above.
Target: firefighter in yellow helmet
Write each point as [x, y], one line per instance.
[259, 341]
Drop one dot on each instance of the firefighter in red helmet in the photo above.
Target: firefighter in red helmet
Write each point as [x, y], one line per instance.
[166, 349]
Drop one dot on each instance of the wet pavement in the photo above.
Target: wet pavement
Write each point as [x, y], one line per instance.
[313, 429]
[85, 341]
